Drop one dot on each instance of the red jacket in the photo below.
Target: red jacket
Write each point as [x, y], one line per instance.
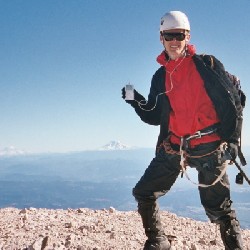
[192, 109]
[218, 86]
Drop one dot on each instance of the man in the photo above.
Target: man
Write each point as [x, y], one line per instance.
[195, 103]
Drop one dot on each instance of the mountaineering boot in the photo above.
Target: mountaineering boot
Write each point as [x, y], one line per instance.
[157, 240]
[164, 245]
[231, 234]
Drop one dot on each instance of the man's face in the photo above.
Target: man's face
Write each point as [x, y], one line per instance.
[174, 42]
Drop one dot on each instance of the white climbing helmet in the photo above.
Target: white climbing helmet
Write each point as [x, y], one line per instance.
[174, 20]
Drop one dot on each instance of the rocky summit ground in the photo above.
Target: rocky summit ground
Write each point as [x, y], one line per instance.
[85, 229]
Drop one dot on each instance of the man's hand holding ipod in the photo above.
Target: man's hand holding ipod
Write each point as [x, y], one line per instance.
[130, 95]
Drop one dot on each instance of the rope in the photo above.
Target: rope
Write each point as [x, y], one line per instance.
[184, 165]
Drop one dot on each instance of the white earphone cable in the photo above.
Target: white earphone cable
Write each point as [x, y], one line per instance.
[144, 102]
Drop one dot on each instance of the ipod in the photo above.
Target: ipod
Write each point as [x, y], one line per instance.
[129, 90]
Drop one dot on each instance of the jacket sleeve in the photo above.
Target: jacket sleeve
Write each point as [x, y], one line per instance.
[150, 110]
[230, 83]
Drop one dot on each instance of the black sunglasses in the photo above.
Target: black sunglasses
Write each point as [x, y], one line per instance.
[171, 36]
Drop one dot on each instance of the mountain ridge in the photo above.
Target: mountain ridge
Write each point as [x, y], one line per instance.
[12, 151]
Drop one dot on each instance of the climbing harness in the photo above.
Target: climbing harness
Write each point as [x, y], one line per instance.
[184, 154]
[183, 164]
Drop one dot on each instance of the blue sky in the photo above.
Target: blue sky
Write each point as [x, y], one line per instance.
[63, 64]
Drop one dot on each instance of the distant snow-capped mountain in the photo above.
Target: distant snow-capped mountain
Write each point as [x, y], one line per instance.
[115, 145]
[11, 151]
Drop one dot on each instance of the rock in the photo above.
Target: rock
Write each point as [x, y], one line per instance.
[111, 210]
[37, 244]
[23, 211]
[213, 242]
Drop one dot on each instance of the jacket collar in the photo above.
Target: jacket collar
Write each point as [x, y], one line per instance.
[163, 57]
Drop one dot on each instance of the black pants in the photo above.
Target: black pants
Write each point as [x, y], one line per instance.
[164, 169]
